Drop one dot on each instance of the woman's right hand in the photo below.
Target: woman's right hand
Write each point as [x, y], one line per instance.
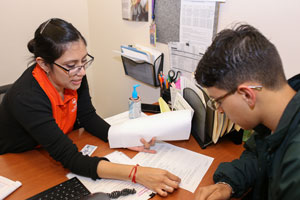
[158, 180]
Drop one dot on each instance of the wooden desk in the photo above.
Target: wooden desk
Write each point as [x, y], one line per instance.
[38, 171]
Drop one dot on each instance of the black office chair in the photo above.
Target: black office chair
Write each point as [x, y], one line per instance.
[3, 90]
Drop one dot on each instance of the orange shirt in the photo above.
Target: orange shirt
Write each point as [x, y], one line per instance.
[64, 111]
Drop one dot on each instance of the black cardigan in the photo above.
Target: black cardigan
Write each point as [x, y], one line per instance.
[26, 121]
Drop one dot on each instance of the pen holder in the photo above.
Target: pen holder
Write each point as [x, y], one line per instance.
[166, 95]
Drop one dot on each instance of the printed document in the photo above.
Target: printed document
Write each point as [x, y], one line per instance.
[167, 126]
[126, 10]
[110, 185]
[197, 22]
[186, 164]
[181, 104]
[184, 58]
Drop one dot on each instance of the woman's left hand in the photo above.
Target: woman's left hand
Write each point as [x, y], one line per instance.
[157, 180]
[146, 146]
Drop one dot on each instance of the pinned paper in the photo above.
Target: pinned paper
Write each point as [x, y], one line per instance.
[153, 33]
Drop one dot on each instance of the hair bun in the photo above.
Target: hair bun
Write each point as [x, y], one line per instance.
[31, 45]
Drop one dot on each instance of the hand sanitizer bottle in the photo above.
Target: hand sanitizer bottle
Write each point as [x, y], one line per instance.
[134, 104]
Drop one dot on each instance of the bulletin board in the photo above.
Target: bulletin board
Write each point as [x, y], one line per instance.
[167, 19]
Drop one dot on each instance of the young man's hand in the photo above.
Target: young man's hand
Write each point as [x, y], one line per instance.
[213, 192]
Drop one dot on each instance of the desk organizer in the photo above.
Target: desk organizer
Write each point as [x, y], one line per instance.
[144, 71]
[205, 121]
[166, 95]
[202, 122]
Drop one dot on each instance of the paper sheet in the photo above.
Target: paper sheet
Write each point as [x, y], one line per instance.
[184, 58]
[164, 107]
[186, 164]
[174, 91]
[181, 104]
[7, 186]
[189, 83]
[175, 125]
[126, 9]
[197, 21]
[120, 118]
[110, 185]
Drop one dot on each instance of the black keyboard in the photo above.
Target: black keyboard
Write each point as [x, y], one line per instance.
[70, 189]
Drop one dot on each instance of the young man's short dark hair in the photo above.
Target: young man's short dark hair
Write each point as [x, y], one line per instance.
[244, 78]
[239, 55]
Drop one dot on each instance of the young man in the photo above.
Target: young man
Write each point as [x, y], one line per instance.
[244, 77]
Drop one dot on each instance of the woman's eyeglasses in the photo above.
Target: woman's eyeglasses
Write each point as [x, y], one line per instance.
[75, 70]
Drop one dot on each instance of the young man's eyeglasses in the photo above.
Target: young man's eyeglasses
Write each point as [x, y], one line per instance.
[75, 70]
[214, 104]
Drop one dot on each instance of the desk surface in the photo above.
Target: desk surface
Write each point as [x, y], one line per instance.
[38, 171]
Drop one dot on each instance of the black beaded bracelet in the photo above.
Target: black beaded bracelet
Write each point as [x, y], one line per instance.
[124, 192]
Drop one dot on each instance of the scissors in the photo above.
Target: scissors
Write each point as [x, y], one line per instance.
[173, 76]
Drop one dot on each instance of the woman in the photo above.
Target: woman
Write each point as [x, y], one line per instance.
[52, 96]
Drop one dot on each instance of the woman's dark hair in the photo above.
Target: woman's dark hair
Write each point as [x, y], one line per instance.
[51, 38]
[240, 55]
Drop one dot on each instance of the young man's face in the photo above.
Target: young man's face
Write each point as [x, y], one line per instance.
[235, 106]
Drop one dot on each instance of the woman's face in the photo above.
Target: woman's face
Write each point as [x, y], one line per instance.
[75, 55]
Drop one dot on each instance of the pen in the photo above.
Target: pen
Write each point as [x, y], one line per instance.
[159, 77]
[167, 84]
[162, 80]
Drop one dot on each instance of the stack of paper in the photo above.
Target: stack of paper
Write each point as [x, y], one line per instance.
[167, 126]
[135, 54]
[139, 53]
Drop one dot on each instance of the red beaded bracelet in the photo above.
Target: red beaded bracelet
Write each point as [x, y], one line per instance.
[135, 170]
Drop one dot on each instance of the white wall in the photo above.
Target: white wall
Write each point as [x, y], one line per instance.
[108, 31]
[277, 19]
[18, 21]
[102, 25]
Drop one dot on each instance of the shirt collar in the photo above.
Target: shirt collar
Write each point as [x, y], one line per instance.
[43, 80]
[275, 139]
